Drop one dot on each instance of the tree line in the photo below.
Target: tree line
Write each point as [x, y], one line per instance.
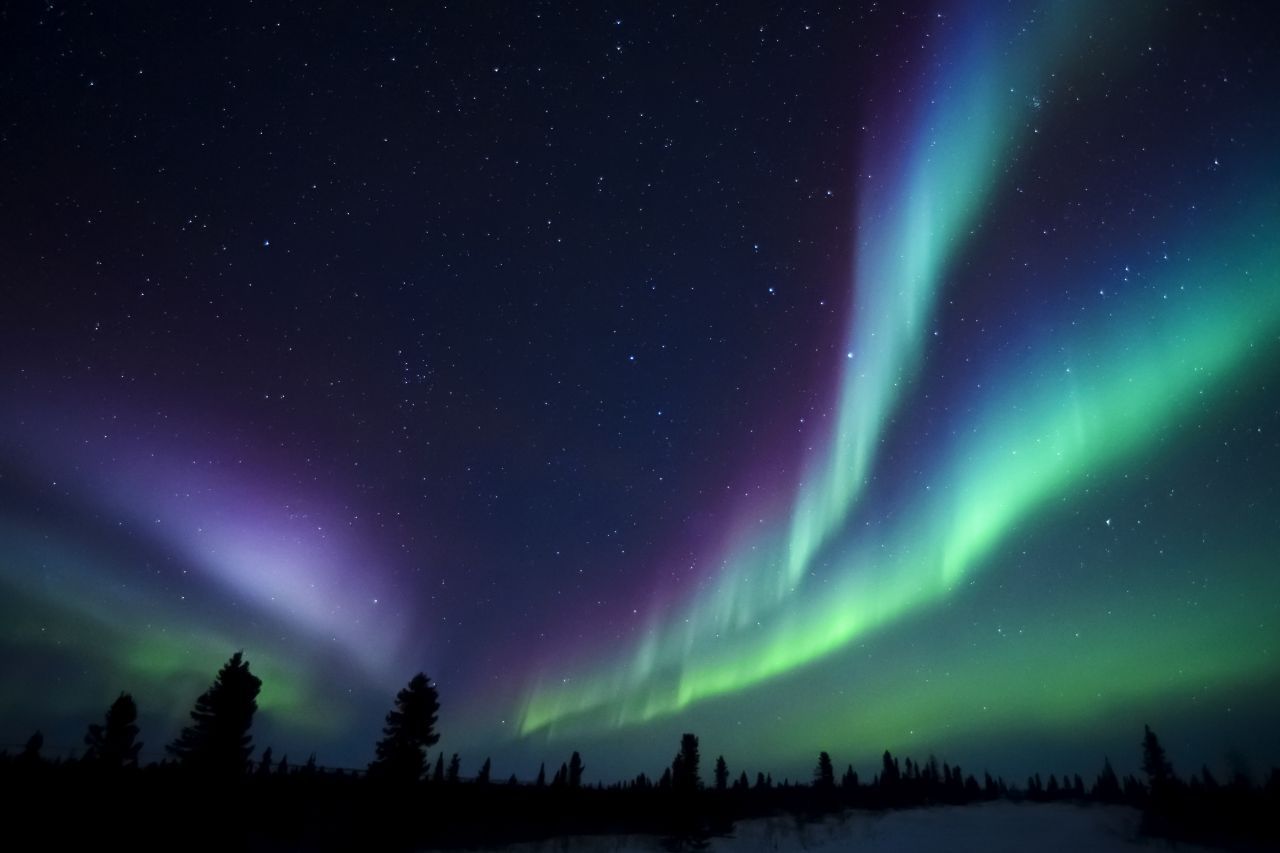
[216, 746]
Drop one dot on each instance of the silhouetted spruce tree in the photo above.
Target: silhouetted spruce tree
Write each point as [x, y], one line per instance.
[409, 732]
[956, 789]
[664, 782]
[1107, 786]
[542, 775]
[218, 743]
[282, 769]
[850, 778]
[112, 745]
[482, 778]
[824, 775]
[1154, 763]
[972, 790]
[264, 764]
[1210, 783]
[438, 776]
[759, 780]
[30, 755]
[310, 768]
[512, 781]
[684, 769]
[888, 772]
[575, 770]
[722, 774]
[743, 782]
[989, 788]
[455, 769]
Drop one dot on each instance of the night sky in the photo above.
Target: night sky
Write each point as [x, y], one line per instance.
[846, 377]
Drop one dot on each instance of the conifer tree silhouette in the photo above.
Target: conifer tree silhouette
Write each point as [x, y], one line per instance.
[30, 755]
[218, 743]
[888, 772]
[1107, 786]
[409, 732]
[575, 770]
[824, 775]
[438, 775]
[264, 764]
[1210, 783]
[684, 769]
[722, 774]
[542, 775]
[112, 745]
[1154, 762]
[482, 778]
[1133, 790]
[850, 778]
[455, 769]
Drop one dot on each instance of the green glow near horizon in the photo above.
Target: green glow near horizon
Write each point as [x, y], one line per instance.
[910, 224]
[1045, 429]
[1098, 672]
[164, 662]
[804, 588]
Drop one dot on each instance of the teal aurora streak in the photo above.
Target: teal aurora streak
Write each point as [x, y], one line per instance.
[1097, 392]
[1027, 529]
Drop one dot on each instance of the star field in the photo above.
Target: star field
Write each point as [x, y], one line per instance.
[846, 377]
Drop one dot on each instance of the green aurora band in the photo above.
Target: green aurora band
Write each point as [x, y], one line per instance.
[1112, 388]
[161, 657]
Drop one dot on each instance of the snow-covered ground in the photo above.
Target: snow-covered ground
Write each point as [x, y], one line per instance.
[987, 828]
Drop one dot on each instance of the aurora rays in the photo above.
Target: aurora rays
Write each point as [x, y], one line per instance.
[941, 171]
[1035, 439]
[1056, 421]
[829, 378]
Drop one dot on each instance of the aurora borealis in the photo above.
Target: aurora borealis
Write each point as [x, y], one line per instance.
[846, 378]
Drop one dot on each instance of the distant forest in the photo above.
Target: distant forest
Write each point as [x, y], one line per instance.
[212, 791]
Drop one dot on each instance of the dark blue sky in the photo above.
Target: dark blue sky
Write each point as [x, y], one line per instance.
[485, 341]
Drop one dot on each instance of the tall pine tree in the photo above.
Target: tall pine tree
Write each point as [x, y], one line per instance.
[824, 775]
[722, 774]
[218, 743]
[409, 732]
[113, 744]
[684, 769]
